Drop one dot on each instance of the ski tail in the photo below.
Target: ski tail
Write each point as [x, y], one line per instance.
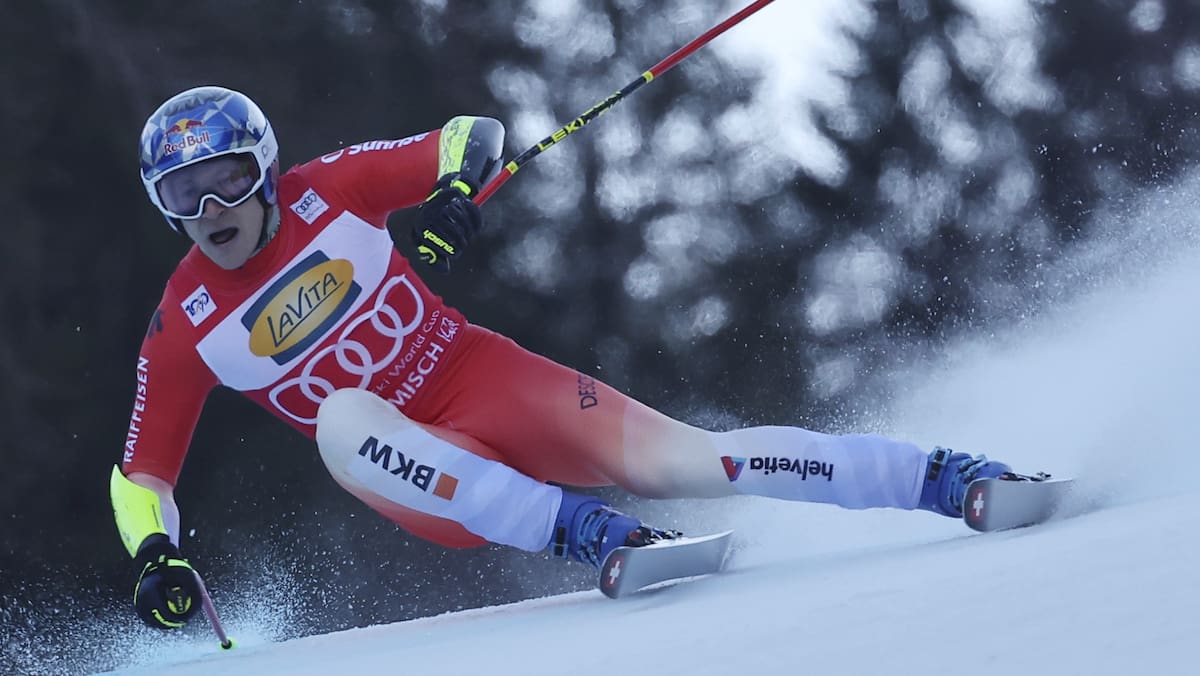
[1013, 501]
[627, 570]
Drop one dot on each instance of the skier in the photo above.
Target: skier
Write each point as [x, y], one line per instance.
[295, 295]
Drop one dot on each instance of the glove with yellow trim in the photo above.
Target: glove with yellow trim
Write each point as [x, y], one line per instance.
[447, 221]
[167, 593]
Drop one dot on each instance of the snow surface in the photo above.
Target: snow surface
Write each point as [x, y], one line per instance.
[1103, 388]
[1096, 595]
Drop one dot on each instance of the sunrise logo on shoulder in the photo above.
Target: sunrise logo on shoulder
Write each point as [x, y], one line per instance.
[300, 307]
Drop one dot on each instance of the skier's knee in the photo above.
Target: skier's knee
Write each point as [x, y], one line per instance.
[388, 460]
[347, 421]
[676, 475]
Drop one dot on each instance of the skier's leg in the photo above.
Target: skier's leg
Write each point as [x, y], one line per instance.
[554, 423]
[429, 485]
[856, 471]
[440, 485]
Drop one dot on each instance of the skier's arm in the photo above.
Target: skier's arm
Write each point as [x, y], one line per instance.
[143, 505]
[469, 151]
[167, 593]
[172, 384]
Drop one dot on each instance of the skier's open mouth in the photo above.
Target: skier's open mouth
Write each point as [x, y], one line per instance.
[222, 236]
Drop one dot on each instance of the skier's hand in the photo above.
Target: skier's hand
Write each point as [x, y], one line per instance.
[167, 592]
[447, 221]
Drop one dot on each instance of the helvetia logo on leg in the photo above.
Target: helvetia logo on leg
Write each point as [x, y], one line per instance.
[733, 466]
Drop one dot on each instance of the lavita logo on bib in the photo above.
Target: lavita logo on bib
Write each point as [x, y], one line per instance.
[300, 307]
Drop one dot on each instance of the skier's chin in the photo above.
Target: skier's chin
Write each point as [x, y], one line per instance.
[224, 236]
[227, 248]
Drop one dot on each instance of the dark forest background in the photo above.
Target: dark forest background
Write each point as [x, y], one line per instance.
[679, 248]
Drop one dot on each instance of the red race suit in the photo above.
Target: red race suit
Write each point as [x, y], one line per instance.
[330, 303]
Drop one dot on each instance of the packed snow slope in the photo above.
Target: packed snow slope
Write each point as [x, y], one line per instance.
[1109, 593]
[1104, 388]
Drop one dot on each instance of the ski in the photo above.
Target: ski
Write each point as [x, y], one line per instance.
[1013, 501]
[629, 569]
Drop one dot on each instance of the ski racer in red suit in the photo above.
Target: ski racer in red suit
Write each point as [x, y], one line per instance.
[294, 295]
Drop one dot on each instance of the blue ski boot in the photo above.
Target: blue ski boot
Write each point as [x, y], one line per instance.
[587, 529]
[948, 476]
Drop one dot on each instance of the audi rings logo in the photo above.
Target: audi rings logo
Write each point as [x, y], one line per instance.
[301, 307]
[352, 356]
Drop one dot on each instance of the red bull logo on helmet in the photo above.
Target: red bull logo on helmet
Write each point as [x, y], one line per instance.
[184, 126]
[181, 136]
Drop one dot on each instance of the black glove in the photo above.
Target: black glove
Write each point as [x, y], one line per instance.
[447, 221]
[167, 592]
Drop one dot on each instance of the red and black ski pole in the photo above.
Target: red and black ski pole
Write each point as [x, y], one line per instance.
[211, 612]
[598, 109]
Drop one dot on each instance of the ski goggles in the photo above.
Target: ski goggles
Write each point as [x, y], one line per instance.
[227, 179]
